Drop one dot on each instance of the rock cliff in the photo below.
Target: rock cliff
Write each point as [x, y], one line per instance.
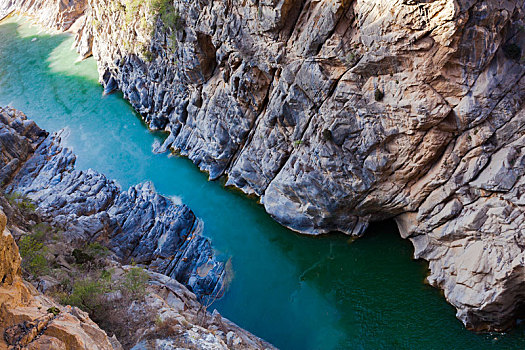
[56, 14]
[25, 318]
[338, 113]
[43, 188]
[137, 225]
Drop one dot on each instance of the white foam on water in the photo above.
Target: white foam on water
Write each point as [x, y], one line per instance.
[176, 200]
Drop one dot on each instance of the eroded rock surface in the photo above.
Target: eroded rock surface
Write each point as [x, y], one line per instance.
[338, 113]
[137, 225]
[25, 322]
[56, 14]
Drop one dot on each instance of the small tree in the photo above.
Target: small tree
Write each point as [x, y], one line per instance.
[135, 282]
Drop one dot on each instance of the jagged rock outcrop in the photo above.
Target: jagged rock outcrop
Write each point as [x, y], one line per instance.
[137, 225]
[25, 319]
[180, 321]
[168, 315]
[338, 113]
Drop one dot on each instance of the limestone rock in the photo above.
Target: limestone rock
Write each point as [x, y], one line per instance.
[344, 112]
[24, 320]
[137, 225]
[56, 14]
[290, 111]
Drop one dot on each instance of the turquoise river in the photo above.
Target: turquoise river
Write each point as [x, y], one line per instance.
[295, 291]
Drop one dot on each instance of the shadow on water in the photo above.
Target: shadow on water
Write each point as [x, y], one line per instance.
[297, 292]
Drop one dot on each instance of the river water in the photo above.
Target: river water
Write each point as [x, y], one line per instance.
[295, 291]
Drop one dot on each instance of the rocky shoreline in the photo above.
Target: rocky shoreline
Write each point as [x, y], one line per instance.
[344, 113]
[138, 226]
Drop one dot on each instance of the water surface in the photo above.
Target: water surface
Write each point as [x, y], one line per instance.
[297, 292]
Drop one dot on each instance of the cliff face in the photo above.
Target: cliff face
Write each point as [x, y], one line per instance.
[56, 14]
[338, 113]
[138, 225]
[25, 321]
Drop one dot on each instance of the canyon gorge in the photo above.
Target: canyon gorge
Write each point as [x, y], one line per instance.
[335, 114]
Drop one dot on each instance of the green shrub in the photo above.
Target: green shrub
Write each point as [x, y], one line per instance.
[160, 6]
[32, 251]
[105, 275]
[135, 282]
[88, 294]
[297, 143]
[132, 7]
[81, 257]
[97, 250]
[43, 231]
[147, 54]
[20, 201]
[170, 17]
[53, 310]
[90, 257]
[350, 59]
[173, 38]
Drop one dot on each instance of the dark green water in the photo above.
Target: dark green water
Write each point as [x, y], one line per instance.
[296, 292]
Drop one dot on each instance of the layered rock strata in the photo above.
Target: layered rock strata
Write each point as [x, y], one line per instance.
[138, 225]
[338, 113]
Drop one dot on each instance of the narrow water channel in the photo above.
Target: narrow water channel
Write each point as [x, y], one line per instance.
[295, 291]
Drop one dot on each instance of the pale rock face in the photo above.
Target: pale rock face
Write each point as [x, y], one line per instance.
[338, 113]
[19, 302]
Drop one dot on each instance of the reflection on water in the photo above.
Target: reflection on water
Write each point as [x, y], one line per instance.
[297, 292]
